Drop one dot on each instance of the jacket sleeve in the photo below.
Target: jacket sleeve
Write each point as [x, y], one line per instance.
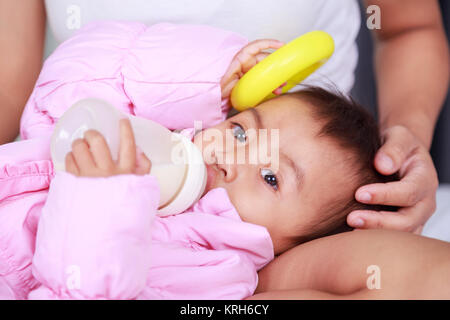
[168, 73]
[93, 237]
[199, 274]
[217, 255]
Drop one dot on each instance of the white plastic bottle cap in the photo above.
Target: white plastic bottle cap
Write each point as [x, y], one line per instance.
[194, 184]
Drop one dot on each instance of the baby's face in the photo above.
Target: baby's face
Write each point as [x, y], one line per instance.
[287, 194]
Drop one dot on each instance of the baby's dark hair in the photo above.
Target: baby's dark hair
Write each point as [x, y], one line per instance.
[355, 130]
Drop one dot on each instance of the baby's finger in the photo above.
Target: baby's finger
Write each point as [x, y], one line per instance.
[82, 156]
[226, 90]
[71, 165]
[99, 149]
[249, 63]
[144, 165]
[252, 53]
[127, 149]
[255, 47]
[233, 69]
[279, 90]
[261, 56]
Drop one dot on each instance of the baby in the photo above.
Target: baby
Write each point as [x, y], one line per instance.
[91, 232]
[327, 144]
[319, 131]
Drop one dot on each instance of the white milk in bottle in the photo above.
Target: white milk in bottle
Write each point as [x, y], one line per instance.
[177, 163]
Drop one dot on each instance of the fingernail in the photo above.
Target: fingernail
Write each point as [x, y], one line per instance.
[386, 162]
[358, 223]
[364, 196]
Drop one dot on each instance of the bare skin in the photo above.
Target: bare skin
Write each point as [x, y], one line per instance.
[335, 267]
[22, 32]
[411, 34]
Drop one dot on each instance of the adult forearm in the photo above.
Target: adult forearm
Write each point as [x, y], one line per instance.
[22, 31]
[306, 294]
[412, 79]
[15, 89]
[9, 119]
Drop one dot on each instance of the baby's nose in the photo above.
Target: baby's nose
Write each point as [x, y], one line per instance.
[229, 171]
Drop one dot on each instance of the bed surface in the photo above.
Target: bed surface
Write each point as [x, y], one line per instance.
[438, 226]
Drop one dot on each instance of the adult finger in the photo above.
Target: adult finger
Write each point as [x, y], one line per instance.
[99, 149]
[399, 143]
[127, 148]
[406, 219]
[402, 193]
[419, 180]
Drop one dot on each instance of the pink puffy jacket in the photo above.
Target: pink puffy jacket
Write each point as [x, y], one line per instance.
[67, 237]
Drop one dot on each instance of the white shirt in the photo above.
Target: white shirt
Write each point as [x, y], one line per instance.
[255, 19]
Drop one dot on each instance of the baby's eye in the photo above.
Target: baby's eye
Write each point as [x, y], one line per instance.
[239, 133]
[270, 178]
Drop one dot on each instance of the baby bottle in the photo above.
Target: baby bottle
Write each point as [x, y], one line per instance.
[177, 163]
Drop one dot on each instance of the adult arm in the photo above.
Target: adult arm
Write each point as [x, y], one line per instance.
[367, 264]
[22, 32]
[412, 69]
[412, 65]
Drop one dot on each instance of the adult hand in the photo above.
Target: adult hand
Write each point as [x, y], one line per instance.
[91, 157]
[415, 193]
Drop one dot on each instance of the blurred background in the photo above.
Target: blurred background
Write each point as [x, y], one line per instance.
[364, 91]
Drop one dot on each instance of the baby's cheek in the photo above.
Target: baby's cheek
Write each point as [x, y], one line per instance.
[249, 203]
[204, 147]
[210, 144]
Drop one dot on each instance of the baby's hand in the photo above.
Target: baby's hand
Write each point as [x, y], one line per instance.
[244, 60]
[91, 157]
